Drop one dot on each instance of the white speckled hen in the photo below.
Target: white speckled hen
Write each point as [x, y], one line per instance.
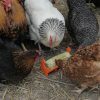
[82, 24]
[47, 24]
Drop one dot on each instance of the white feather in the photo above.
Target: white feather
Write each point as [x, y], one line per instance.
[37, 12]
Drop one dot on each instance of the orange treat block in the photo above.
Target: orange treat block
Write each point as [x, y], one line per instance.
[50, 66]
[46, 70]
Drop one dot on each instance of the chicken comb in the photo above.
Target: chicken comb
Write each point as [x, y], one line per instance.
[6, 3]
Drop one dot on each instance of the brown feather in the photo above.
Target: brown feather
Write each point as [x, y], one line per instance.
[2, 18]
[13, 21]
[15, 64]
[17, 20]
[18, 14]
[24, 60]
[84, 66]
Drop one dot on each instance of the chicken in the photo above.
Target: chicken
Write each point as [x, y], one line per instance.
[46, 23]
[84, 67]
[82, 24]
[13, 22]
[15, 64]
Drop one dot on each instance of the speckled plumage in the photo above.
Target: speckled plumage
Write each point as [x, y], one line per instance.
[54, 26]
[44, 21]
[82, 24]
[84, 67]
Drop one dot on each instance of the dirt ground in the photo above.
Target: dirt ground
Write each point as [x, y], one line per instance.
[54, 87]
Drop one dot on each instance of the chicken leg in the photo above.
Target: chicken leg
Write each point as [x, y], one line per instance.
[23, 47]
[41, 52]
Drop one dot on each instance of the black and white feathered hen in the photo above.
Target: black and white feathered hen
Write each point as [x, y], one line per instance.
[82, 23]
[46, 23]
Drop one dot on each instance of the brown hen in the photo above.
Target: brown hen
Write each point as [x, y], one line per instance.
[12, 19]
[84, 67]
